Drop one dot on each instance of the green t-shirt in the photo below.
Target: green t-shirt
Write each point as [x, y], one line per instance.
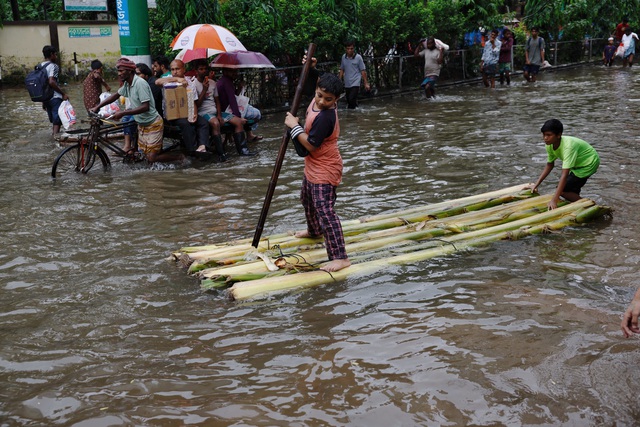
[577, 155]
[138, 93]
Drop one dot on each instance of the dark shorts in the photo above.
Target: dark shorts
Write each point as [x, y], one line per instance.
[131, 129]
[574, 184]
[531, 69]
[52, 107]
[490, 70]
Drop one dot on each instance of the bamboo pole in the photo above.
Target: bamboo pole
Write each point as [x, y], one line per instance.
[438, 210]
[394, 236]
[552, 220]
[283, 148]
[404, 243]
[516, 190]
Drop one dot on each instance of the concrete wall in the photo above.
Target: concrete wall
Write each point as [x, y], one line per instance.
[21, 44]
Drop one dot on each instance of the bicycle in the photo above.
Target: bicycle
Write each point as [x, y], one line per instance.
[81, 157]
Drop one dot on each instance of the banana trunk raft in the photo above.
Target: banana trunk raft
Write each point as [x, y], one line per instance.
[284, 262]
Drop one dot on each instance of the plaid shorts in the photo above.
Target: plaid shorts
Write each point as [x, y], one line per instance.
[318, 201]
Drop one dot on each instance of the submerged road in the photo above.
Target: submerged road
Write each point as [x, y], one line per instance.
[99, 329]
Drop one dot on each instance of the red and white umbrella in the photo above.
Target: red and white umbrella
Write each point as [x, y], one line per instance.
[188, 55]
[207, 36]
[241, 59]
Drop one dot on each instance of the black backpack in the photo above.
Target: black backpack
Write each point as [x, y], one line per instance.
[37, 83]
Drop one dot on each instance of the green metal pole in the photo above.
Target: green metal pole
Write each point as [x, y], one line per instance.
[133, 28]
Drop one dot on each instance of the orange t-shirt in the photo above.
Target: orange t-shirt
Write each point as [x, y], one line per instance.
[324, 165]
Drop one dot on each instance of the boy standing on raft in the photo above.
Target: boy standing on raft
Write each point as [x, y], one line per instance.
[579, 161]
[317, 142]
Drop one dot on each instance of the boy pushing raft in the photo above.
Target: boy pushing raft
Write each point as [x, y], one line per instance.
[579, 161]
[317, 142]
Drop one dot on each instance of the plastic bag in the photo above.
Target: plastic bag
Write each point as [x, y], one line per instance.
[67, 114]
[620, 50]
[243, 102]
[440, 44]
[109, 109]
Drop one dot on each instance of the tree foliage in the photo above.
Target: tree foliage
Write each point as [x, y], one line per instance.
[575, 19]
[282, 29]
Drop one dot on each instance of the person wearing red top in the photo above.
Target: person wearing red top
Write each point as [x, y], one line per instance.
[317, 142]
[620, 28]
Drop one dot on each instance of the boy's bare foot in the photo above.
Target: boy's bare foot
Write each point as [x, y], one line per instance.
[302, 234]
[336, 264]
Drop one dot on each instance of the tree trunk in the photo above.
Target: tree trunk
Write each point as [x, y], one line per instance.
[15, 10]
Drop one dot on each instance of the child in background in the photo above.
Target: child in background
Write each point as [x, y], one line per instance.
[317, 142]
[609, 53]
[579, 161]
[92, 85]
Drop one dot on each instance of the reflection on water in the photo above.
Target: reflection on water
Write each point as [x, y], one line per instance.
[99, 329]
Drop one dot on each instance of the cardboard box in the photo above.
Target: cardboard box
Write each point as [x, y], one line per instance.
[175, 101]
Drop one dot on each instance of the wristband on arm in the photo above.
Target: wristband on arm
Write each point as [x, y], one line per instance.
[300, 149]
[296, 131]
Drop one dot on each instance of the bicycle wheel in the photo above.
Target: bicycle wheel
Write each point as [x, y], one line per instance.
[78, 158]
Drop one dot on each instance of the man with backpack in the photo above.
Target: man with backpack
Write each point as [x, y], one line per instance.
[52, 72]
[533, 55]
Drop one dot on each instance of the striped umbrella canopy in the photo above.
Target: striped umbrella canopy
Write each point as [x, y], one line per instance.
[241, 59]
[207, 36]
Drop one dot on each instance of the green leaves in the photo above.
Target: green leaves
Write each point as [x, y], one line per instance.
[283, 28]
[576, 18]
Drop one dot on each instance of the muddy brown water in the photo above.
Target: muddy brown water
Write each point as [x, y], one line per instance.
[99, 329]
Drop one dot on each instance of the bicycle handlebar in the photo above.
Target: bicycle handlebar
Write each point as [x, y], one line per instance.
[97, 116]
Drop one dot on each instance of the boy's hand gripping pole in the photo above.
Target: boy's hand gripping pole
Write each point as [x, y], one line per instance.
[283, 147]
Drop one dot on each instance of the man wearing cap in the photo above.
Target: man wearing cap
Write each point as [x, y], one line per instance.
[143, 110]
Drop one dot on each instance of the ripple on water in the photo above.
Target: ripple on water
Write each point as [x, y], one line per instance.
[99, 329]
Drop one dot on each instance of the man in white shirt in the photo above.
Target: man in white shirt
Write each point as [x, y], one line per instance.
[195, 129]
[433, 57]
[629, 43]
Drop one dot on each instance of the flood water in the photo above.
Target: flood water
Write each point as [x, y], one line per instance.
[98, 328]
